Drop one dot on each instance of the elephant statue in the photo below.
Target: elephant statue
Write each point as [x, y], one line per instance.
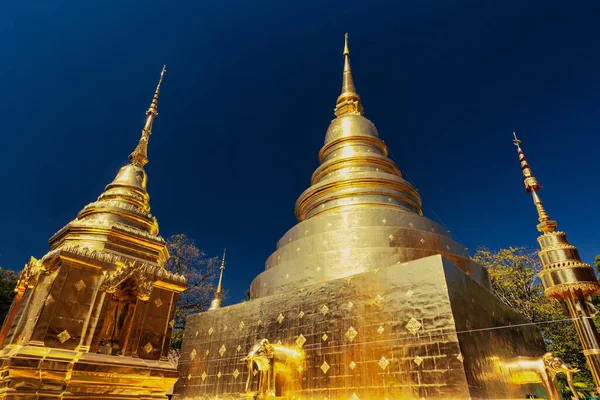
[274, 363]
[524, 370]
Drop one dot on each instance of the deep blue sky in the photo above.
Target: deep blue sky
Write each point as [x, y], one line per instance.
[250, 91]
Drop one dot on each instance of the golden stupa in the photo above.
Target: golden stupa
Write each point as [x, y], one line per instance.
[365, 298]
[92, 319]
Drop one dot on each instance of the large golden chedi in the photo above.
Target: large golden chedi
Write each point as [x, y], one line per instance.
[93, 317]
[365, 298]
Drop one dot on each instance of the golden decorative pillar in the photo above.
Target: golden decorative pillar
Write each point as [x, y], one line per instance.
[564, 276]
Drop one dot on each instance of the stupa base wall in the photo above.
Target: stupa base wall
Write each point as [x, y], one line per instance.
[38, 372]
[422, 329]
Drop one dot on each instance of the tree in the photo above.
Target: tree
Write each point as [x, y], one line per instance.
[8, 282]
[597, 263]
[513, 272]
[199, 271]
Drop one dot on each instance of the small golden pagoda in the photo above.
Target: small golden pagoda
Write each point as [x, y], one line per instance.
[364, 298]
[93, 317]
[564, 276]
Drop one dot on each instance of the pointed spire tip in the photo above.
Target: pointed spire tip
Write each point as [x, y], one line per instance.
[346, 49]
[139, 156]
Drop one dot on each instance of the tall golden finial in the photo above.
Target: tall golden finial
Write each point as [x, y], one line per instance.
[532, 186]
[139, 156]
[564, 276]
[349, 101]
[217, 302]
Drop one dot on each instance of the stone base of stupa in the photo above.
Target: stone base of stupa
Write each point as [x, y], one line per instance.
[422, 329]
[38, 372]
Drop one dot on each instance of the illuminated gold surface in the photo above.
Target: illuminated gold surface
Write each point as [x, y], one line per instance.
[454, 362]
[93, 317]
[361, 287]
[525, 370]
[564, 276]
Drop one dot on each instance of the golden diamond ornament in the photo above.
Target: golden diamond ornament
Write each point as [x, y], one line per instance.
[460, 357]
[238, 348]
[300, 314]
[280, 318]
[241, 325]
[380, 329]
[204, 375]
[63, 336]
[158, 303]
[210, 330]
[383, 362]
[236, 373]
[413, 326]
[219, 374]
[80, 285]
[351, 334]
[222, 350]
[325, 367]
[324, 337]
[324, 310]
[301, 340]
[148, 347]
[193, 354]
[418, 360]
[299, 369]
[352, 365]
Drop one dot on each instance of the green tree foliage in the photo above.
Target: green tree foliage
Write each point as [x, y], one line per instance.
[200, 272]
[8, 282]
[597, 263]
[513, 272]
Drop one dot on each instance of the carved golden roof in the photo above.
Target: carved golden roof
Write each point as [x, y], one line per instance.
[120, 219]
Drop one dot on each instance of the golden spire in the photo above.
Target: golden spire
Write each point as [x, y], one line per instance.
[217, 302]
[532, 186]
[349, 101]
[139, 156]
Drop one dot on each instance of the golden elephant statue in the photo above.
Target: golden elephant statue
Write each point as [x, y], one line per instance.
[274, 363]
[525, 370]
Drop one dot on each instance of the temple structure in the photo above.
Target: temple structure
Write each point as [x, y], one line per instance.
[364, 298]
[93, 317]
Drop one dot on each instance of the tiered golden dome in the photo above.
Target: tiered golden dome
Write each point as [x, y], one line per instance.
[358, 214]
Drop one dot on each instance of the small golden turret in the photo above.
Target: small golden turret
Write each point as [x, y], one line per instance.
[349, 101]
[217, 302]
[564, 276]
[139, 156]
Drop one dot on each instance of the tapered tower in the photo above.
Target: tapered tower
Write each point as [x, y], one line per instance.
[564, 276]
[364, 298]
[93, 317]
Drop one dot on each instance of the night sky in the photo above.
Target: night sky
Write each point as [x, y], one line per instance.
[248, 96]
